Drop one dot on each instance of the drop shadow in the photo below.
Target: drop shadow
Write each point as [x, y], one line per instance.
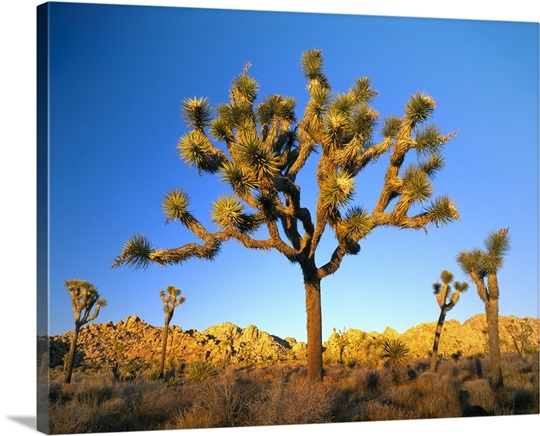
[27, 421]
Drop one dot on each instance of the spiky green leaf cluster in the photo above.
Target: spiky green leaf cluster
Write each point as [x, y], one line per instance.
[429, 139]
[137, 252]
[337, 190]
[391, 126]
[335, 123]
[228, 211]
[197, 112]
[229, 116]
[461, 286]
[268, 205]
[199, 370]
[416, 185]
[362, 91]
[419, 108]
[442, 211]
[221, 129]
[233, 174]
[447, 277]
[197, 151]
[395, 352]
[343, 103]
[432, 164]
[312, 63]
[497, 245]
[471, 262]
[363, 121]
[277, 108]
[257, 161]
[175, 205]
[244, 90]
[356, 223]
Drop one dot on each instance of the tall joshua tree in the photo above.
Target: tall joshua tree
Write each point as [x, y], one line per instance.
[482, 267]
[171, 298]
[84, 299]
[263, 149]
[447, 299]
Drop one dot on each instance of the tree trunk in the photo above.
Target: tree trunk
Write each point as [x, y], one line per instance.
[314, 329]
[68, 366]
[438, 330]
[164, 347]
[492, 315]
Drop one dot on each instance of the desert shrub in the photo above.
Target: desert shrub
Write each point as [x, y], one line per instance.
[372, 379]
[293, 402]
[227, 398]
[219, 401]
[479, 394]
[281, 394]
[194, 417]
[381, 410]
[96, 404]
[430, 396]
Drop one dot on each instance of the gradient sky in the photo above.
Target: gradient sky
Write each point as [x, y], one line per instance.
[118, 76]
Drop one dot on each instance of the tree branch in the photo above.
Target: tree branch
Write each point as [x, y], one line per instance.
[337, 257]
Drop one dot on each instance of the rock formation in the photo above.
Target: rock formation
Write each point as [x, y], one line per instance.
[133, 345]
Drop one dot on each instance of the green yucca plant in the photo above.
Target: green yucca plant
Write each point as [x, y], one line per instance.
[199, 370]
[258, 149]
[395, 352]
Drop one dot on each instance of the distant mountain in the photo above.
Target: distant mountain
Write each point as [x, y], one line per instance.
[136, 345]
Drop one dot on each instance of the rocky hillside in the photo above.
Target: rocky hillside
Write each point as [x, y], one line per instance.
[135, 345]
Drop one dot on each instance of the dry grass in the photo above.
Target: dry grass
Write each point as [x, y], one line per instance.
[281, 394]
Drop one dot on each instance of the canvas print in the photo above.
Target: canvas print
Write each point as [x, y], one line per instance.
[252, 218]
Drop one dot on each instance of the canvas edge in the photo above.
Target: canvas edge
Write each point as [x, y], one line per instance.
[42, 218]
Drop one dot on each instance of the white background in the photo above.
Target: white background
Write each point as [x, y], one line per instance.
[17, 200]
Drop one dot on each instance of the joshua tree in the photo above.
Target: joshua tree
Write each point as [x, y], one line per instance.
[482, 267]
[342, 341]
[84, 298]
[171, 298]
[447, 299]
[264, 149]
[520, 332]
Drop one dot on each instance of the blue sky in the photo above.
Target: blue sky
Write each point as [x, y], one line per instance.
[118, 76]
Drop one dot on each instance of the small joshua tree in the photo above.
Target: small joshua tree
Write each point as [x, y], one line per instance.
[171, 298]
[84, 298]
[342, 341]
[482, 267]
[447, 299]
